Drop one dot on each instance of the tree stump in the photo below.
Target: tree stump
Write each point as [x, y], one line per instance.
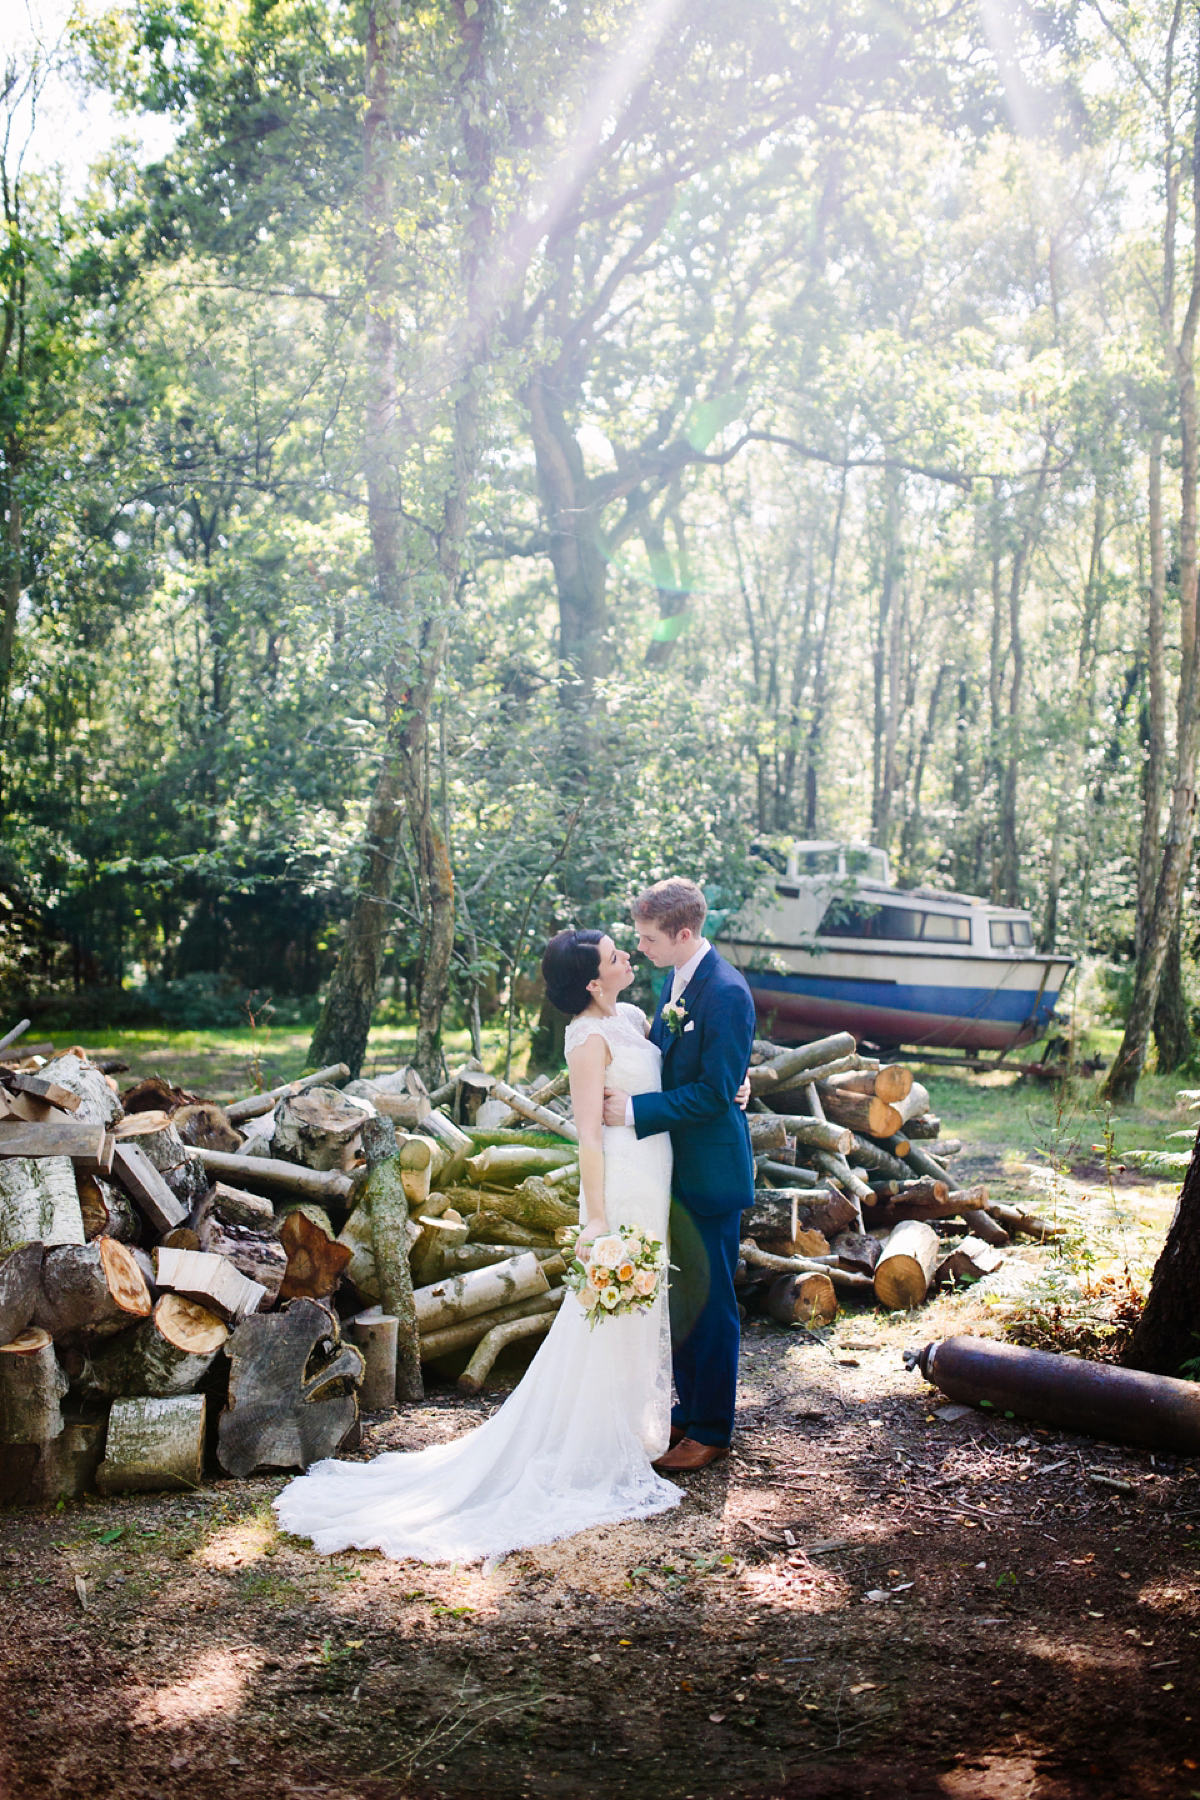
[387, 1205]
[169, 1353]
[375, 1335]
[292, 1387]
[90, 1291]
[154, 1445]
[38, 1201]
[319, 1129]
[905, 1269]
[20, 1277]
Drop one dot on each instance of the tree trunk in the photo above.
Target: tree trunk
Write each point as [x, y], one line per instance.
[1168, 1332]
[388, 1205]
[888, 641]
[1155, 720]
[1172, 1027]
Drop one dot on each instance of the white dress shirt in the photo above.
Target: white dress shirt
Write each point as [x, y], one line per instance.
[682, 975]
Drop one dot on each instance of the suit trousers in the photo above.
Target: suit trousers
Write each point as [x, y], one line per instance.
[705, 1328]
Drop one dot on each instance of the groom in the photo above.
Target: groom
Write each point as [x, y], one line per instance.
[704, 1027]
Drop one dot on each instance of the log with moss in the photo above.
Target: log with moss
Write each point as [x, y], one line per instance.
[387, 1203]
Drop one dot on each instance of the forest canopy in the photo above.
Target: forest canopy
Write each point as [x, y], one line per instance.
[503, 453]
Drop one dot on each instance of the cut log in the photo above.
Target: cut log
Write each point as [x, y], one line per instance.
[530, 1109]
[155, 1095]
[268, 1175]
[501, 1284]
[154, 1446]
[905, 1270]
[236, 1206]
[375, 1336]
[1017, 1220]
[475, 1375]
[453, 1338]
[898, 1145]
[802, 1300]
[767, 1132]
[32, 1388]
[157, 1203]
[20, 1276]
[818, 1134]
[772, 1218]
[799, 1265]
[211, 1281]
[460, 1259]
[401, 1096]
[34, 1337]
[143, 1124]
[106, 1210]
[256, 1104]
[206, 1126]
[387, 1205]
[98, 1104]
[927, 1126]
[863, 1113]
[161, 1145]
[914, 1104]
[921, 1163]
[257, 1254]
[495, 1228]
[534, 1204]
[829, 1216]
[857, 1251]
[169, 1353]
[315, 1258]
[90, 1291]
[508, 1165]
[57, 1468]
[786, 1173]
[14, 1032]
[982, 1225]
[292, 1390]
[839, 1169]
[358, 1237]
[318, 1129]
[439, 1233]
[868, 1155]
[38, 1201]
[970, 1262]
[451, 1137]
[947, 1147]
[787, 1064]
[545, 1089]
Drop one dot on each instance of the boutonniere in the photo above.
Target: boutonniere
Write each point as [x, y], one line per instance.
[674, 1013]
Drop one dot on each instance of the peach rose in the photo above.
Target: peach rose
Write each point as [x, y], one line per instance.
[598, 1276]
[645, 1281]
[625, 1271]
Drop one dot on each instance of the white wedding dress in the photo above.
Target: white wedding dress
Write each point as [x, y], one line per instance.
[571, 1446]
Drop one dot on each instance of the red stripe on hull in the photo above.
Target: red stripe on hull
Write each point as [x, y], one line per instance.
[795, 1018]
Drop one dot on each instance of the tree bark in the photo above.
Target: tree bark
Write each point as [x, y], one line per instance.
[1168, 1332]
[1172, 1027]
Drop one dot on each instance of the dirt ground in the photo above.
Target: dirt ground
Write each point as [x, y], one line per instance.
[866, 1599]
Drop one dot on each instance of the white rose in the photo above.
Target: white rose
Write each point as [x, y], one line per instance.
[607, 1250]
[611, 1297]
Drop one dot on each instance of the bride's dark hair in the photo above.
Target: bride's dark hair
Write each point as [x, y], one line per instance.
[569, 962]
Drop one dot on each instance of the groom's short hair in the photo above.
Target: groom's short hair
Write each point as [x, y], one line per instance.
[675, 905]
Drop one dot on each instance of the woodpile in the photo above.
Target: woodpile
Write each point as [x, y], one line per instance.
[852, 1180]
[188, 1288]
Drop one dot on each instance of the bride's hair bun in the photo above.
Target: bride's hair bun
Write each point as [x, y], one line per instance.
[569, 962]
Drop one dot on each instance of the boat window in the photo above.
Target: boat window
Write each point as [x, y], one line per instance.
[1011, 934]
[817, 862]
[865, 862]
[788, 892]
[946, 930]
[774, 854]
[860, 919]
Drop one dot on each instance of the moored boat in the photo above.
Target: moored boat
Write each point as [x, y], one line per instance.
[827, 943]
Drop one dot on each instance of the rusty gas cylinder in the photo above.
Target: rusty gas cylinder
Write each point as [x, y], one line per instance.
[1095, 1399]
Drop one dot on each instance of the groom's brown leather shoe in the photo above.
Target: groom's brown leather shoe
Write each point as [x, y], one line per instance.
[688, 1455]
[678, 1433]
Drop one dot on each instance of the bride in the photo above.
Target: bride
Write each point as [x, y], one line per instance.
[572, 1446]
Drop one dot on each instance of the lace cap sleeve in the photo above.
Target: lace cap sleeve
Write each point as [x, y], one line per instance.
[579, 1030]
[634, 1014]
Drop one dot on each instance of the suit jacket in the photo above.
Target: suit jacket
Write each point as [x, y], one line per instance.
[703, 1067]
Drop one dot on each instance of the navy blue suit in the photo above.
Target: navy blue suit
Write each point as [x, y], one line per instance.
[713, 1183]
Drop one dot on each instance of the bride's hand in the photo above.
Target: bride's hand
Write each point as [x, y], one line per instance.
[592, 1230]
[743, 1094]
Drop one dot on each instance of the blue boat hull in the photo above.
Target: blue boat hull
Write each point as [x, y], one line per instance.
[794, 1008]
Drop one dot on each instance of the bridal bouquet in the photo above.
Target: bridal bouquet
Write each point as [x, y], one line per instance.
[617, 1273]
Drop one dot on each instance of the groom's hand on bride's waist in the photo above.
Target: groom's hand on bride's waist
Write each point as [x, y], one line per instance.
[617, 1107]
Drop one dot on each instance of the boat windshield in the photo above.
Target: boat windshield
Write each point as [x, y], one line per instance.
[817, 862]
[854, 918]
[1015, 934]
[866, 862]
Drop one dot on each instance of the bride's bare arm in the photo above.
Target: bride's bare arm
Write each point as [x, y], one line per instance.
[587, 1065]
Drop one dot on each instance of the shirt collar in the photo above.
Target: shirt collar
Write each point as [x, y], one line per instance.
[683, 974]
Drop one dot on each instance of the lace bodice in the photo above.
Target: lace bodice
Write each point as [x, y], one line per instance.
[636, 1066]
